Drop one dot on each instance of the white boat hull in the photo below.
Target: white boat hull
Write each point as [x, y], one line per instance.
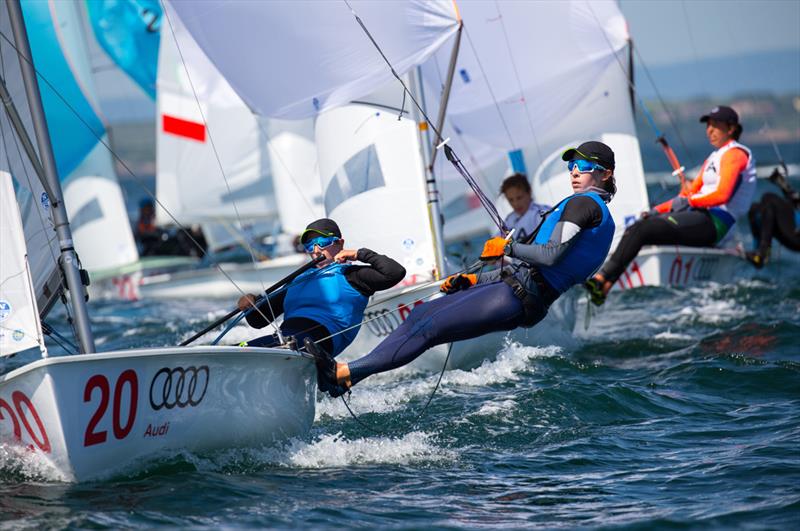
[679, 266]
[211, 282]
[94, 415]
[390, 308]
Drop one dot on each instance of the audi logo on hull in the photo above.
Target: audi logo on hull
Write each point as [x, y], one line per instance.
[178, 387]
[382, 322]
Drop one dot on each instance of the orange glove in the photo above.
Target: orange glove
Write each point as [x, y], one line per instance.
[493, 249]
[455, 283]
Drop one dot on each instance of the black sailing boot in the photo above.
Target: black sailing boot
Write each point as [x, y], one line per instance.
[326, 369]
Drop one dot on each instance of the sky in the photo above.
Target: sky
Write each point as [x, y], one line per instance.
[675, 31]
[665, 32]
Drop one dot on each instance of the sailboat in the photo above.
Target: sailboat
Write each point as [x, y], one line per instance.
[91, 415]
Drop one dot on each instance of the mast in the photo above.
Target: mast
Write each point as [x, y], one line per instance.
[434, 206]
[68, 259]
[430, 150]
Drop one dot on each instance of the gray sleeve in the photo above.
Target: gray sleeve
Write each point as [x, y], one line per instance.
[549, 253]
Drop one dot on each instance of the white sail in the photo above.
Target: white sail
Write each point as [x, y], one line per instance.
[19, 317]
[97, 213]
[373, 182]
[211, 151]
[270, 165]
[313, 55]
[541, 77]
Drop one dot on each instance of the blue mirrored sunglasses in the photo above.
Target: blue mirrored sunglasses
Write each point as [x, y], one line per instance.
[584, 166]
[321, 242]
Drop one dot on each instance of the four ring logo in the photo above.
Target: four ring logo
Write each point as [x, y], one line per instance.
[179, 387]
[382, 322]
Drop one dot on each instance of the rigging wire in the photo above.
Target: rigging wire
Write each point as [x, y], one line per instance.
[247, 245]
[548, 182]
[210, 136]
[57, 337]
[766, 125]
[464, 142]
[488, 204]
[661, 139]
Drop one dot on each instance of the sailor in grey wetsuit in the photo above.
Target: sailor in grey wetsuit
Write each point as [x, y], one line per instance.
[569, 246]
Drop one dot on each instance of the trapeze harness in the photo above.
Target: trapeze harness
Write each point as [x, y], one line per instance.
[578, 263]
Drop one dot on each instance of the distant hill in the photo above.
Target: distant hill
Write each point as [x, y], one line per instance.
[765, 72]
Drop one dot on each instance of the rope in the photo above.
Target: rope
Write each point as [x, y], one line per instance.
[548, 182]
[247, 245]
[55, 336]
[633, 88]
[372, 430]
[487, 203]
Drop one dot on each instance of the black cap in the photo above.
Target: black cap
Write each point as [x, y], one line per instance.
[320, 227]
[592, 151]
[722, 114]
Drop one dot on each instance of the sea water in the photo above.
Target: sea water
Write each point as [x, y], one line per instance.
[675, 407]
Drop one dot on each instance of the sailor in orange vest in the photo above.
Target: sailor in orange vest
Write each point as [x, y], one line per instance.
[702, 214]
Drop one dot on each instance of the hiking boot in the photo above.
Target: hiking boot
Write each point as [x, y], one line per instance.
[595, 289]
[326, 370]
[756, 258]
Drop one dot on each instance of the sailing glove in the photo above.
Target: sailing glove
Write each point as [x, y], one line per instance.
[493, 249]
[455, 283]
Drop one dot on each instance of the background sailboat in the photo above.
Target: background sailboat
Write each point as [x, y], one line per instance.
[239, 176]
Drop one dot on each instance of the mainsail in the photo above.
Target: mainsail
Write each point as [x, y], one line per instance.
[33, 201]
[308, 57]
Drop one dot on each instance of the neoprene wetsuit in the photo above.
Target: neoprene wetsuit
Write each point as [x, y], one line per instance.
[778, 217]
[327, 302]
[571, 244]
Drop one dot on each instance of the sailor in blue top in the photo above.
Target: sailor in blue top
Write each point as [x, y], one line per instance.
[569, 246]
[325, 304]
[526, 214]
